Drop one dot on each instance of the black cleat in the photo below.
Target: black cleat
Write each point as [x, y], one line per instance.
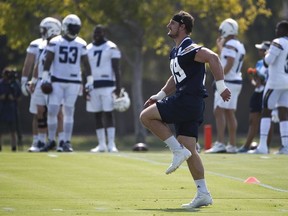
[49, 146]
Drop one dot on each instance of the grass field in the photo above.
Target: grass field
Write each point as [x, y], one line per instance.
[129, 183]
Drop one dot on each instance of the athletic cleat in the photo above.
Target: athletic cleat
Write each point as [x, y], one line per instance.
[99, 149]
[257, 151]
[113, 149]
[34, 147]
[60, 146]
[243, 149]
[201, 199]
[179, 157]
[231, 149]
[49, 146]
[217, 148]
[67, 147]
[282, 150]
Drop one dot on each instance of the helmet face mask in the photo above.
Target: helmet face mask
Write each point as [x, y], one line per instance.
[71, 25]
[228, 27]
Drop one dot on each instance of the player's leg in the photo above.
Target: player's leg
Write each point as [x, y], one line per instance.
[95, 105]
[202, 197]
[70, 94]
[60, 130]
[283, 124]
[151, 119]
[232, 129]
[33, 110]
[42, 125]
[108, 117]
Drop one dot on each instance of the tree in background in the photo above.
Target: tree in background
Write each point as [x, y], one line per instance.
[140, 27]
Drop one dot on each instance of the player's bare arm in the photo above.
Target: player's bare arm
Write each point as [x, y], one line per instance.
[210, 57]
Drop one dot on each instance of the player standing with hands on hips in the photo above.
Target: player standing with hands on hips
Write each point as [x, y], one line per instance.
[181, 102]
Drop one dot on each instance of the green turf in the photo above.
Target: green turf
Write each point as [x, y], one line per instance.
[127, 183]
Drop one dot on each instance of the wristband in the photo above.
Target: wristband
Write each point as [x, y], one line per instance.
[220, 86]
[33, 80]
[159, 96]
[45, 76]
[90, 79]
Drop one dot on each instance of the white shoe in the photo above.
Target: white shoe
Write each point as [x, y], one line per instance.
[112, 149]
[179, 157]
[231, 149]
[99, 149]
[282, 150]
[201, 199]
[257, 151]
[33, 149]
[217, 148]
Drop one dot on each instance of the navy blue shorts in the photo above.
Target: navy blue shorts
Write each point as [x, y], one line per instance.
[256, 102]
[183, 110]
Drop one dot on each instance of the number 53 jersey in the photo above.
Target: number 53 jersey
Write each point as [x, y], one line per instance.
[67, 57]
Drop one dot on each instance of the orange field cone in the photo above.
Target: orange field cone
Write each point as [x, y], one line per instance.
[252, 180]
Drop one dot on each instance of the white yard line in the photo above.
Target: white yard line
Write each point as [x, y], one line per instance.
[210, 172]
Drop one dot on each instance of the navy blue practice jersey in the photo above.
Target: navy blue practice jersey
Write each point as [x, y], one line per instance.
[189, 75]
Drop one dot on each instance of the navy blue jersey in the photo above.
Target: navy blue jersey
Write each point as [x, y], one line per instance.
[189, 75]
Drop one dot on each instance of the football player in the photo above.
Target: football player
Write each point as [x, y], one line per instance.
[232, 53]
[33, 52]
[104, 57]
[50, 28]
[276, 90]
[63, 59]
[181, 102]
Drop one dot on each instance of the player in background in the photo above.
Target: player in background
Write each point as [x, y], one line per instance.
[276, 90]
[104, 57]
[232, 53]
[51, 28]
[63, 59]
[32, 54]
[258, 77]
[184, 105]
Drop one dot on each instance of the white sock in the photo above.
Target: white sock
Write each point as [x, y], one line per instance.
[283, 126]
[173, 144]
[264, 131]
[201, 186]
[52, 128]
[111, 136]
[101, 137]
[42, 137]
[35, 138]
[61, 137]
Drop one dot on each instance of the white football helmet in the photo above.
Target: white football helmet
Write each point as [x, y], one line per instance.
[50, 27]
[228, 27]
[71, 25]
[122, 103]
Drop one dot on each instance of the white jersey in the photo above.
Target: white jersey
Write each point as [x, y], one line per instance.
[67, 57]
[41, 61]
[278, 69]
[36, 46]
[235, 49]
[100, 58]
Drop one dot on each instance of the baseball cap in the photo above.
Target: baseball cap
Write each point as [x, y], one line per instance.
[264, 45]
